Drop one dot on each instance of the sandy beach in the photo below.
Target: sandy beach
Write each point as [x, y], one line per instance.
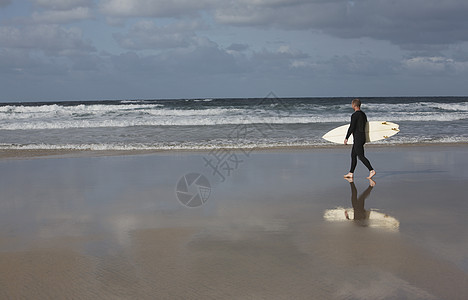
[91, 225]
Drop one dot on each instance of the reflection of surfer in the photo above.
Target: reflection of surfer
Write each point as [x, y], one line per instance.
[358, 202]
[359, 215]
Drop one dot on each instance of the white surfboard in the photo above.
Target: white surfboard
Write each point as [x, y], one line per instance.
[374, 218]
[375, 131]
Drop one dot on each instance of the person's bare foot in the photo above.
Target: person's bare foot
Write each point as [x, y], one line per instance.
[371, 182]
[349, 175]
[371, 174]
[349, 179]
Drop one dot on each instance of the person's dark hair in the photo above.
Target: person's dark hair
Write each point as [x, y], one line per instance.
[356, 102]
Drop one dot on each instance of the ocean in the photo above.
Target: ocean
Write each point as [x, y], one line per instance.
[192, 124]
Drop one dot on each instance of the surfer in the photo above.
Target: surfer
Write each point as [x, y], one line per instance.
[358, 129]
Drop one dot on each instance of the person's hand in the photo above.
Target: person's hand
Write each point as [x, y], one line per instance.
[346, 141]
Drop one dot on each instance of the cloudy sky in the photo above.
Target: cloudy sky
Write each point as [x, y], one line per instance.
[154, 49]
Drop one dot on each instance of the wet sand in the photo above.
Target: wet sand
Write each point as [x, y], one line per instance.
[94, 226]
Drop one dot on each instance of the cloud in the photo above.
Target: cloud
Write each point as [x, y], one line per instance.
[147, 35]
[207, 58]
[460, 53]
[238, 47]
[229, 46]
[426, 66]
[298, 15]
[282, 61]
[21, 66]
[150, 8]
[62, 16]
[400, 22]
[64, 4]
[4, 3]
[360, 64]
[61, 11]
[52, 39]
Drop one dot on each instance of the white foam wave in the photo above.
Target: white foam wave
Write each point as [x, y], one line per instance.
[130, 147]
[219, 144]
[203, 120]
[453, 106]
[138, 105]
[56, 116]
[420, 117]
[54, 110]
[134, 101]
[180, 119]
[417, 107]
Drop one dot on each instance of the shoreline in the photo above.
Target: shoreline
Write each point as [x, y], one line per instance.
[71, 153]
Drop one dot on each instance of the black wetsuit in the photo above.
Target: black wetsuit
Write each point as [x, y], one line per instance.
[358, 129]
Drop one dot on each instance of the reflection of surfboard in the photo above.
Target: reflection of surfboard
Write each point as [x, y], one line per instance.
[375, 219]
[375, 130]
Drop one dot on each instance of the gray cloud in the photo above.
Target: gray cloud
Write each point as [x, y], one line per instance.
[52, 39]
[150, 8]
[435, 66]
[360, 64]
[62, 16]
[238, 47]
[281, 61]
[4, 3]
[60, 11]
[186, 55]
[460, 54]
[413, 25]
[147, 35]
[20, 67]
[205, 59]
[63, 4]
[405, 23]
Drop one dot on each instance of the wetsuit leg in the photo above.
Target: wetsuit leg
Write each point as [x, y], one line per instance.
[358, 151]
[353, 160]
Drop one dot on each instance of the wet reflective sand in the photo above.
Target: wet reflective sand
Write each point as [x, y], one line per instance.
[112, 227]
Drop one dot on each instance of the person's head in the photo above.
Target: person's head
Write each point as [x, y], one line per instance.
[356, 103]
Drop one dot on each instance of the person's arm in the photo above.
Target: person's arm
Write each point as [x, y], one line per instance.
[351, 128]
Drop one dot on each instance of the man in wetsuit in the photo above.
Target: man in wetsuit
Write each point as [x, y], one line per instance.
[358, 129]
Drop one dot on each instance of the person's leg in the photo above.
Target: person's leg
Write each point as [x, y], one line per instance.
[353, 163]
[362, 157]
[360, 154]
[354, 155]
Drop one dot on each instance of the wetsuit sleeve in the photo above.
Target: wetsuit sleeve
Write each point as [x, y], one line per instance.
[352, 126]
